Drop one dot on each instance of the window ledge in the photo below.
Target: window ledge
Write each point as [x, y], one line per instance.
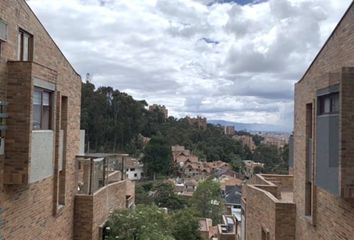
[42, 130]
[309, 219]
[60, 209]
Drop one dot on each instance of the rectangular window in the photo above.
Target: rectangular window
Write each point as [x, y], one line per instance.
[3, 31]
[41, 109]
[63, 126]
[24, 46]
[328, 104]
[308, 177]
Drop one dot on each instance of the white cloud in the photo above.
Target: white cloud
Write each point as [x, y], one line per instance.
[221, 60]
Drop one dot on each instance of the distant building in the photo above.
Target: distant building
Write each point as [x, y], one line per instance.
[228, 229]
[277, 141]
[232, 197]
[161, 108]
[229, 130]
[246, 140]
[207, 230]
[134, 169]
[200, 122]
[250, 167]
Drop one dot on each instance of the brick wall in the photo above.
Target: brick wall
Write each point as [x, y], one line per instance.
[332, 216]
[91, 211]
[28, 209]
[264, 211]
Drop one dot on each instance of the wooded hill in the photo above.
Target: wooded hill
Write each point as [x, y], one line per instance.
[115, 122]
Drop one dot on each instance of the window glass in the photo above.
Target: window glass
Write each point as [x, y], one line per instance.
[335, 102]
[46, 99]
[36, 118]
[41, 109]
[45, 117]
[25, 47]
[327, 105]
[19, 44]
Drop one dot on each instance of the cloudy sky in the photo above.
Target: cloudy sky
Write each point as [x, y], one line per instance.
[235, 60]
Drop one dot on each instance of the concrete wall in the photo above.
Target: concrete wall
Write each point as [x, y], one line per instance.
[42, 153]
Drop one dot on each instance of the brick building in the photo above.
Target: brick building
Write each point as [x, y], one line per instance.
[200, 122]
[246, 140]
[319, 202]
[229, 130]
[40, 139]
[159, 108]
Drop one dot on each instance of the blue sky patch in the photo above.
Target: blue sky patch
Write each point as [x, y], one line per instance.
[209, 41]
[240, 2]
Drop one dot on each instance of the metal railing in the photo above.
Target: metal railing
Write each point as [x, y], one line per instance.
[96, 171]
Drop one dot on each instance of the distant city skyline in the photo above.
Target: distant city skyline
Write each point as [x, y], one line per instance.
[232, 60]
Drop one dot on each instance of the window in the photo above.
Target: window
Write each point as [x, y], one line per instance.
[3, 30]
[135, 175]
[62, 172]
[309, 162]
[328, 104]
[132, 169]
[41, 118]
[265, 234]
[24, 46]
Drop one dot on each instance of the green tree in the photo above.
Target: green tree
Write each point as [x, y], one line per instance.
[207, 201]
[151, 223]
[142, 195]
[143, 223]
[272, 157]
[157, 157]
[185, 226]
[165, 197]
[257, 139]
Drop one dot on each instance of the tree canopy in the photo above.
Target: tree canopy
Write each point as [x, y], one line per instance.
[116, 122]
[207, 201]
[152, 223]
[157, 156]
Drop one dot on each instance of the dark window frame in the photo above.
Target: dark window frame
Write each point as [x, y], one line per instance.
[50, 93]
[333, 99]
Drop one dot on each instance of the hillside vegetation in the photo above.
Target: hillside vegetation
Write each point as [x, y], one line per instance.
[115, 122]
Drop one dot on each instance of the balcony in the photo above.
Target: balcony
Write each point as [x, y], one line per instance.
[269, 207]
[227, 230]
[22, 77]
[102, 188]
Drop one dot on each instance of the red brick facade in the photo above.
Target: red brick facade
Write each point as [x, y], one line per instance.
[39, 185]
[324, 209]
[31, 210]
[332, 216]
